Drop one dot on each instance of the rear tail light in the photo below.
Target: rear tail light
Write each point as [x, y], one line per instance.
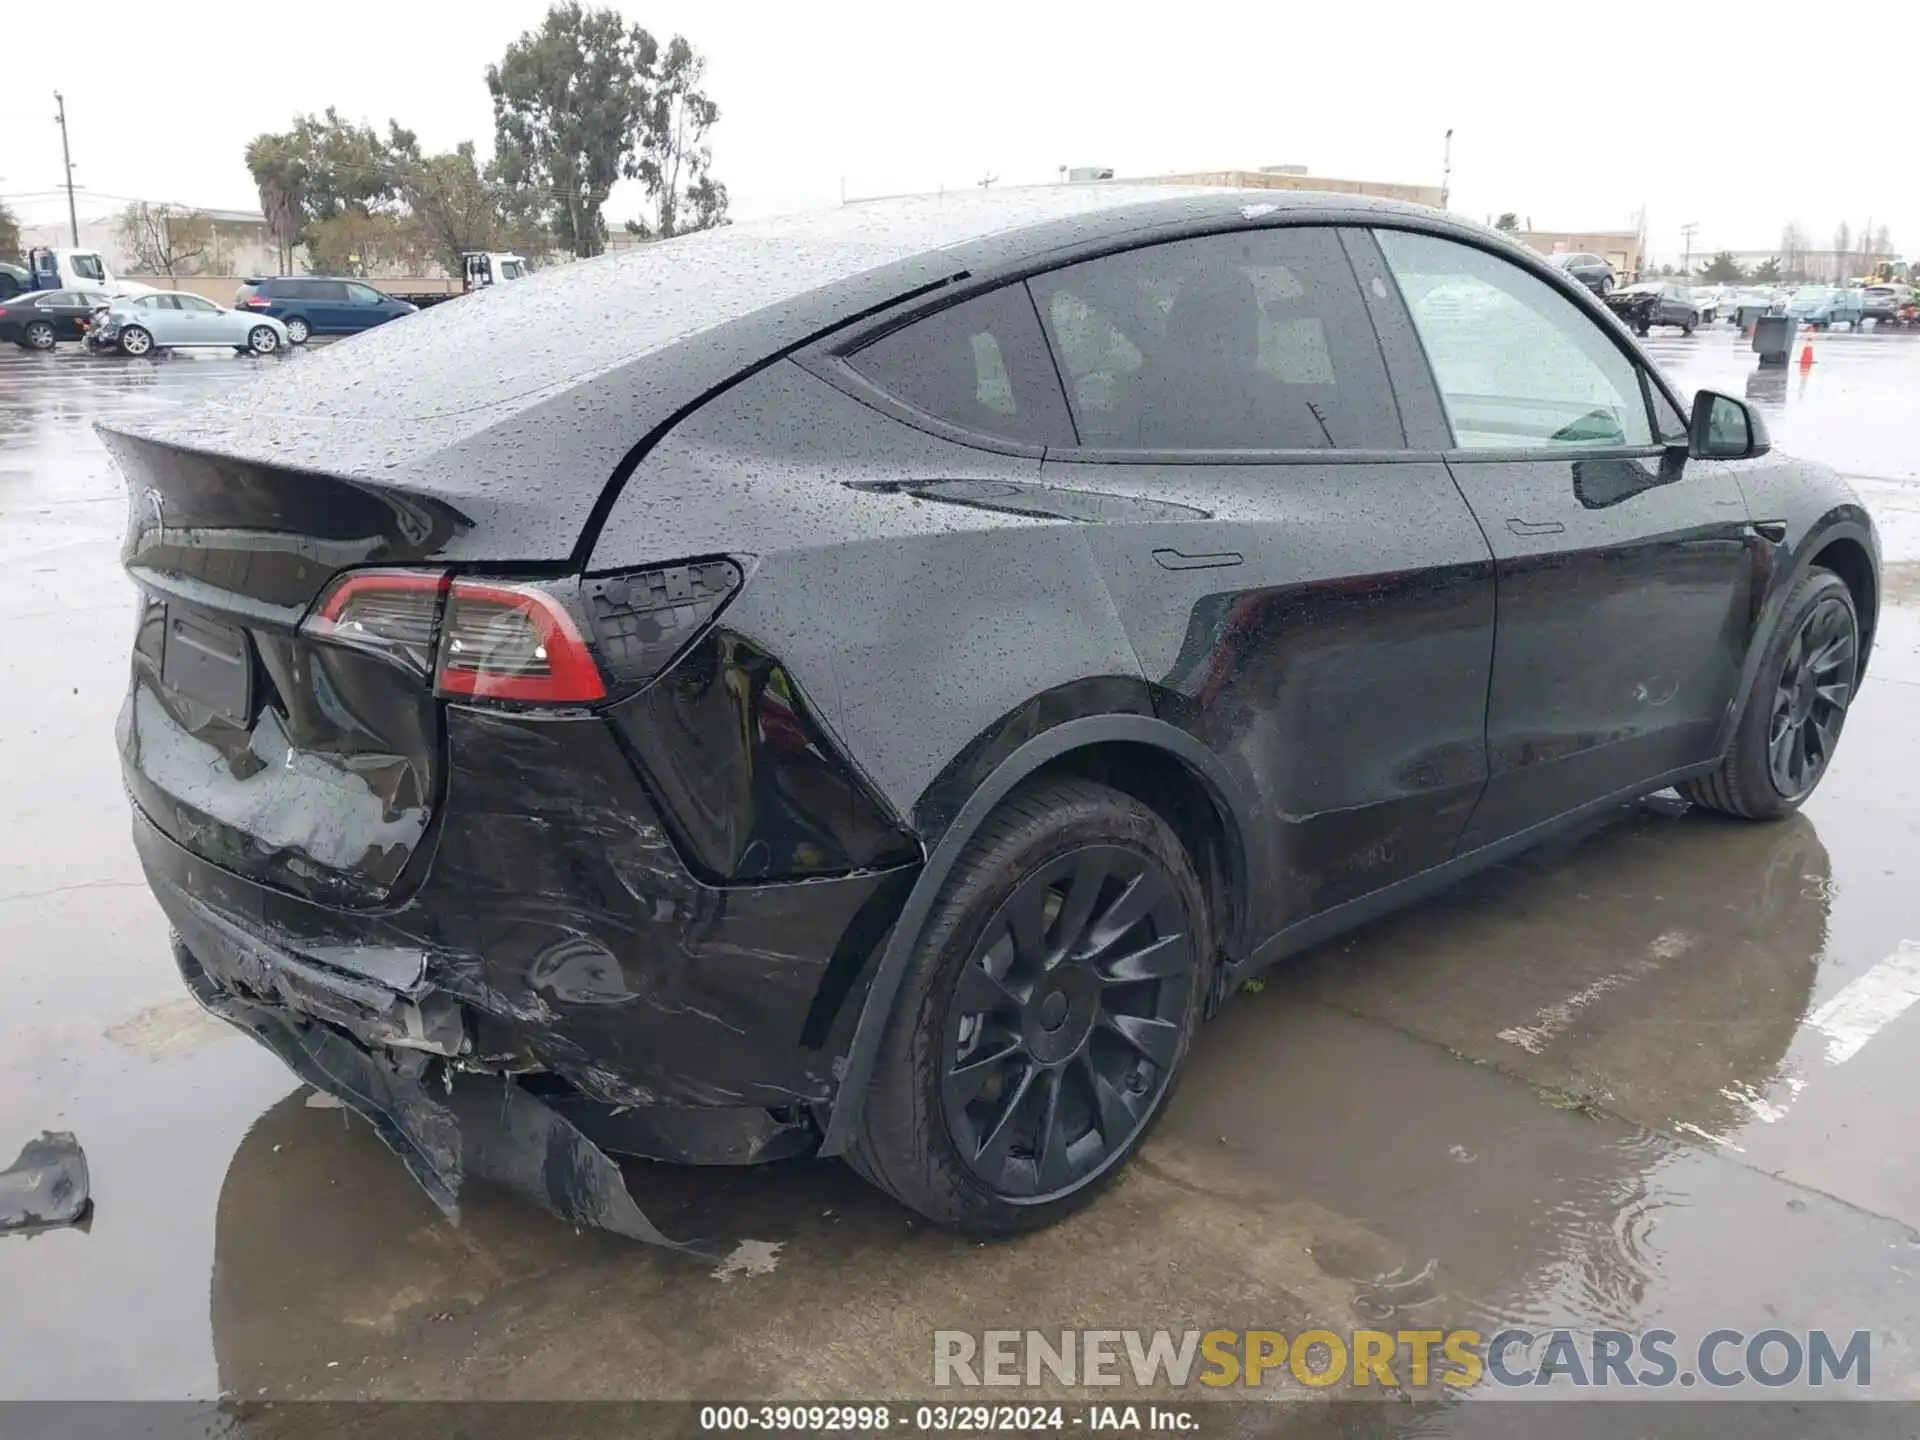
[524, 641]
[259, 301]
[391, 613]
[514, 642]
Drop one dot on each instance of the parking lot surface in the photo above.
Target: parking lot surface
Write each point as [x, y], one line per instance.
[1602, 1085]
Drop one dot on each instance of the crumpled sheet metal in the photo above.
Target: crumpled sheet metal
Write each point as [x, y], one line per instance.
[446, 1125]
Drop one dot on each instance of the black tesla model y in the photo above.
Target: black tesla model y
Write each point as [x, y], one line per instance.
[869, 684]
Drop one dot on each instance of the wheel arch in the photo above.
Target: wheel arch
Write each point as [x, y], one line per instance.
[1139, 754]
[1841, 542]
[1846, 556]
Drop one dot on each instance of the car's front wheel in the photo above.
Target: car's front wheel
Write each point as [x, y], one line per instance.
[262, 340]
[1606, 284]
[1044, 1014]
[1795, 708]
[298, 330]
[134, 340]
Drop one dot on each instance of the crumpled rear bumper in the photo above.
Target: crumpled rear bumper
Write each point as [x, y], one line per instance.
[445, 1124]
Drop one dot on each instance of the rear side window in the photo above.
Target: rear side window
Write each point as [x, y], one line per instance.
[333, 290]
[981, 364]
[1256, 340]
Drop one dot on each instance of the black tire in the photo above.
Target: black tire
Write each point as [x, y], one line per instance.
[1642, 330]
[297, 329]
[1748, 783]
[1606, 285]
[38, 336]
[262, 340]
[1687, 329]
[1046, 1065]
[136, 340]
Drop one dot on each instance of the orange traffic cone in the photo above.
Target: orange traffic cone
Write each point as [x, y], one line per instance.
[1806, 350]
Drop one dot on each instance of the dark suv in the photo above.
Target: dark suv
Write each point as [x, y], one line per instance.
[310, 305]
[893, 671]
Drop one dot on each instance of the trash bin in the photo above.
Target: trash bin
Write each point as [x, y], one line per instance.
[1773, 338]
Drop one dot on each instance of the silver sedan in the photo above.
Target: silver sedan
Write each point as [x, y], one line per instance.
[174, 319]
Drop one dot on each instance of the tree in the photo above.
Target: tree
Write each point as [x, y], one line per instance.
[9, 235]
[1793, 252]
[567, 105]
[319, 170]
[1767, 272]
[1508, 221]
[674, 161]
[164, 239]
[454, 206]
[1723, 269]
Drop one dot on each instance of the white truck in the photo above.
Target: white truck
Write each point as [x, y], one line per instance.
[57, 268]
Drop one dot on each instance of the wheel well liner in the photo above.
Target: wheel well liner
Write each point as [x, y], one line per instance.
[1848, 559]
[1164, 767]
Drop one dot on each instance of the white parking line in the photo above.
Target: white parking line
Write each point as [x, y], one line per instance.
[1852, 1017]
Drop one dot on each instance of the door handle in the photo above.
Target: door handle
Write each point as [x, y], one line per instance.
[1536, 527]
[1170, 559]
[1774, 530]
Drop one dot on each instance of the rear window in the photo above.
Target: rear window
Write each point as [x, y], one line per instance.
[1254, 340]
[981, 364]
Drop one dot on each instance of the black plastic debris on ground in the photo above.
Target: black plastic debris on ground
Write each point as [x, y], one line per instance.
[46, 1186]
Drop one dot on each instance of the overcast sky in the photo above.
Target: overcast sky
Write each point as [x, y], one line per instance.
[1556, 114]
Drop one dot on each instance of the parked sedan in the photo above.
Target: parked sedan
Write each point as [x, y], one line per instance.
[1888, 304]
[177, 320]
[311, 305]
[1591, 271]
[1824, 306]
[895, 670]
[40, 319]
[1654, 302]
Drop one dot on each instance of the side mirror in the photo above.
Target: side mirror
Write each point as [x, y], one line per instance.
[1723, 428]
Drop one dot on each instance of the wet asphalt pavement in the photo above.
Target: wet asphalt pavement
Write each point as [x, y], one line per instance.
[1594, 1087]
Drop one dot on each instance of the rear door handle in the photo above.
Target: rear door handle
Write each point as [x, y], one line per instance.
[1536, 527]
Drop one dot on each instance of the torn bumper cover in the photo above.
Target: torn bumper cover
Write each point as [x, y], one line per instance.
[445, 1124]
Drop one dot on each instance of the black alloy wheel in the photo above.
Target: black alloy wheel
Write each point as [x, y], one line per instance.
[1067, 1022]
[1811, 697]
[1043, 1015]
[1795, 707]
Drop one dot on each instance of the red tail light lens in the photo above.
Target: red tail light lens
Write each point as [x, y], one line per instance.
[514, 642]
[391, 613]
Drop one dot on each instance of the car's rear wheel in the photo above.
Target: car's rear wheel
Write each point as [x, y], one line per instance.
[298, 330]
[262, 340]
[134, 340]
[1794, 712]
[1686, 328]
[1044, 1015]
[38, 336]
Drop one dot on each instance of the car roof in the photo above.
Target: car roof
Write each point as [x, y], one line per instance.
[655, 328]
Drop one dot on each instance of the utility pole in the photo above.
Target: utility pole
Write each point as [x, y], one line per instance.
[1686, 256]
[66, 159]
[1446, 168]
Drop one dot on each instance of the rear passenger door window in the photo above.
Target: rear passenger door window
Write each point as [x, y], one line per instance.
[981, 365]
[1519, 365]
[1251, 341]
